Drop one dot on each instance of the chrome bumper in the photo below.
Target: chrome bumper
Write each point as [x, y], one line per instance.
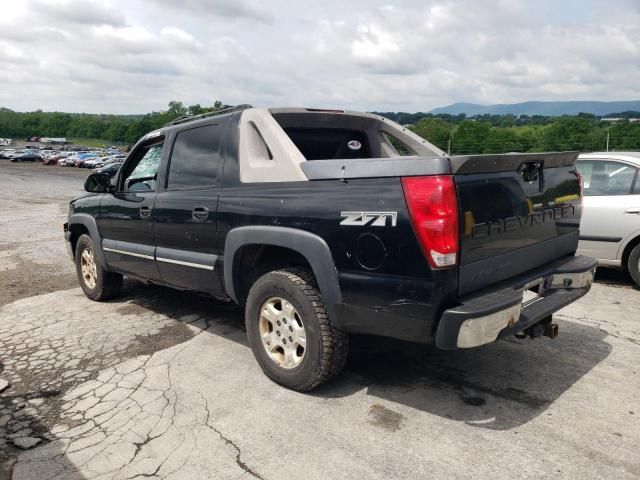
[509, 309]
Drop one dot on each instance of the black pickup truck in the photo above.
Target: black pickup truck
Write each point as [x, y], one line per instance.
[323, 223]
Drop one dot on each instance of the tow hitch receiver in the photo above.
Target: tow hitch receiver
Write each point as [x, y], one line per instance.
[544, 328]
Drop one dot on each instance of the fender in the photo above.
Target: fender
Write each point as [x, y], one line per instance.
[311, 246]
[89, 222]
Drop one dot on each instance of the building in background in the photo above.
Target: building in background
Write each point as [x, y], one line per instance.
[54, 141]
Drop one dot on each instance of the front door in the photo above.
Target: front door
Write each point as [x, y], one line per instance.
[125, 220]
[185, 211]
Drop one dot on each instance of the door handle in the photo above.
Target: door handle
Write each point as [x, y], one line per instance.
[200, 214]
[145, 212]
[633, 210]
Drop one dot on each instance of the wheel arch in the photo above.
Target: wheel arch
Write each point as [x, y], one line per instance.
[630, 244]
[309, 246]
[80, 223]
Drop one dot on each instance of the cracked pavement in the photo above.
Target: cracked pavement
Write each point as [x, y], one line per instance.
[161, 384]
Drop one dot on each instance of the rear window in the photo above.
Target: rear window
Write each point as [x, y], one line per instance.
[321, 135]
[329, 143]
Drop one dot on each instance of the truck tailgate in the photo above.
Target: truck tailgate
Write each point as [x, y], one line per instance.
[517, 212]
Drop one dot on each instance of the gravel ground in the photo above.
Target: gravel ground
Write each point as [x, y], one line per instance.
[162, 384]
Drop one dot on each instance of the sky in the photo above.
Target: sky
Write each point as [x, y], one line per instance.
[134, 56]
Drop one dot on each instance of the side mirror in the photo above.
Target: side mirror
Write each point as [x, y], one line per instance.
[98, 183]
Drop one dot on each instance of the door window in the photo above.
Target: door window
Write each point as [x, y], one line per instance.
[141, 173]
[601, 177]
[195, 158]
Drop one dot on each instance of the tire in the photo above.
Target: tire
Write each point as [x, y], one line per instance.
[97, 283]
[325, 346]
[633, 264]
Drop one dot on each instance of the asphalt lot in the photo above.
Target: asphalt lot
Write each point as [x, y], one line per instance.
[161, 384]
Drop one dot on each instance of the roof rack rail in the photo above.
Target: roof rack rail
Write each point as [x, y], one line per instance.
[225, 109]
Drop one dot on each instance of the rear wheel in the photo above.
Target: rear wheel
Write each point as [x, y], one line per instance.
[97, 283]
[633, 264]
[290, 333]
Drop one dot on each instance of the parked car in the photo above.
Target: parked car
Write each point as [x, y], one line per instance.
[110, 169]
[14, 154]
[91, 162]
[315, 223]
[83, 157]
[109, 159]
[7, 152]
[610, 227]
[28, 156]
[55, 158]
[71, 160]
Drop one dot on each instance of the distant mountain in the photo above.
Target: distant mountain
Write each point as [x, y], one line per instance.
[551, 109]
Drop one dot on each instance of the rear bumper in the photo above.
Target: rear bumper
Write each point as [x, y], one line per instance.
[485, 316]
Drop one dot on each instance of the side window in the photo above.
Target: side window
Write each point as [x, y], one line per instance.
[603, 177]
[195, 158]
[142, 172]
[398, 147]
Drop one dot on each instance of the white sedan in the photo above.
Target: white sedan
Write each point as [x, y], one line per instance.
[610, 225]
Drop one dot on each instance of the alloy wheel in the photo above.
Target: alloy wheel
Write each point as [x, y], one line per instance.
[88, 268]
[282, 332]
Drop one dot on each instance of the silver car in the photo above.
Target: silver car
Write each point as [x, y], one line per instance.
[610, 226]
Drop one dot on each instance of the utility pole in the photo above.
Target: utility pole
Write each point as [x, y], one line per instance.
[449, 144]
[607, 141]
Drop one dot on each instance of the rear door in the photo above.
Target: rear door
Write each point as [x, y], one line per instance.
[611, 206]
[185, 210]
[517, 212]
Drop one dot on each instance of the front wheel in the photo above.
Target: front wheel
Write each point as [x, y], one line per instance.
[290, 333]
[633, 264]
[96, 282]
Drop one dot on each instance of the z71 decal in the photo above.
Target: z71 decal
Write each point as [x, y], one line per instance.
[372, 219]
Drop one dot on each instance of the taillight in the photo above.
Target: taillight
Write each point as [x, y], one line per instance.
[433, 208]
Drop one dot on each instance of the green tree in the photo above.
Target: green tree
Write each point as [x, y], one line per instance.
[176, 109]
[568, 133]
[435, 130]
[624, 136]
[195, 109]
[470, 137]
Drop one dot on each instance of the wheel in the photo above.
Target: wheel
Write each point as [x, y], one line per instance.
[290, 333]
[633, 264]
[97, 283]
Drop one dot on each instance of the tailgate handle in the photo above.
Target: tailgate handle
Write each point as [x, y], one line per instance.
[632, 211]
[530, 171]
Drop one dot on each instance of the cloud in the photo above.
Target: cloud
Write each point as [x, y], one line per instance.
[227, 9]
[131, 56]
[84, 12]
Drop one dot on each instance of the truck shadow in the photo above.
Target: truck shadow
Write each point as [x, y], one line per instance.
[499, 386]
